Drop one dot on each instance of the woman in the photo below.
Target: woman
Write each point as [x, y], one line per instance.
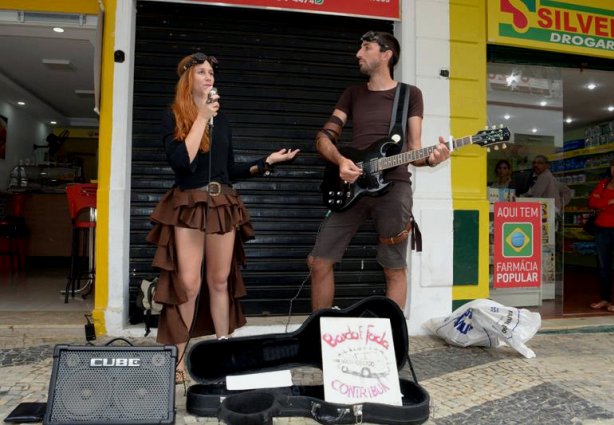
[503, 173]
[602, 199]
[202, 215]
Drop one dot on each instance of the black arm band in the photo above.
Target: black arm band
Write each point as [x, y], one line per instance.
[264, 167]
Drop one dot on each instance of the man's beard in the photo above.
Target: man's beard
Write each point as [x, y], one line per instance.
[364, 69]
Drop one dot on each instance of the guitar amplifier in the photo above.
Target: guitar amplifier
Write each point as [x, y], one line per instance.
[112, 385]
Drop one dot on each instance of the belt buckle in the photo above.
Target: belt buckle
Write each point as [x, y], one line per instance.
[214, 188]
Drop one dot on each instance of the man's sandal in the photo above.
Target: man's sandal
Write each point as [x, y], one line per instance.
[179, 376]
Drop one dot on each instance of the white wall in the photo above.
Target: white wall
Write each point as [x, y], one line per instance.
[22, 133]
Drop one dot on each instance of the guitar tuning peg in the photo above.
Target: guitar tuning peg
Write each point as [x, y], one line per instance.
[496, 147]
[485, 127]
[487, 149]
[494, 127]
[504, 146]
[500, 125]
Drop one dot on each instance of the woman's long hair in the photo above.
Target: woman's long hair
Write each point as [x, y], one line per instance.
[183, 107]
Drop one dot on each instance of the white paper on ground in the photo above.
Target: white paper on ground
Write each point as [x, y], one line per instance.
[275, 379]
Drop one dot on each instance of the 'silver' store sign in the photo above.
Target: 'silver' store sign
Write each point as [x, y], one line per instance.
[584, 27]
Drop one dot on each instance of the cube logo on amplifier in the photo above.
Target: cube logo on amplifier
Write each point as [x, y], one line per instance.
[115, 362]
[112, 385]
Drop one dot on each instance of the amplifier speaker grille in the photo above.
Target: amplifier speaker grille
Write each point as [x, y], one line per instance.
[112, 385]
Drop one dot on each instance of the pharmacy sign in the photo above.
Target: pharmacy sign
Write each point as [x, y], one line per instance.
[517, 253]
[569, 26]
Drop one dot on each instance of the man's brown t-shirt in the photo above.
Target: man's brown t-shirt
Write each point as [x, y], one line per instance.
[370, 113]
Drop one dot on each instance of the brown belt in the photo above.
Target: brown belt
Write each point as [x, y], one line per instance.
[393, 240]
[216, 189]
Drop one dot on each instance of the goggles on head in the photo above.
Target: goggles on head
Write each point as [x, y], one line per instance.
[198, 58]
[373, 36]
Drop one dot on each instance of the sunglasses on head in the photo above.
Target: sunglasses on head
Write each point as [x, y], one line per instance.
[198, 58]
[373, 36]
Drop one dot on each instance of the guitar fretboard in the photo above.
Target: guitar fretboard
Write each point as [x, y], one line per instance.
[411, 156]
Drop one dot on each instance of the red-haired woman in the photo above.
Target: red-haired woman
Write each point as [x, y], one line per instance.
[202, 216]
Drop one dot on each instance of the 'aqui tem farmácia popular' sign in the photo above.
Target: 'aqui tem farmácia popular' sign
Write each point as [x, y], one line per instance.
[377, 9]
[570, 26]
[518, 245]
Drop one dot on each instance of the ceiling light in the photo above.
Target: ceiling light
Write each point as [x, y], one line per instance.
[543, 103]
[611, 108]
[84, 93]
[53, 122]
[58, 29]
[534, 130]
[55, 61]
[591, 86]
[507, 116]
[21, 103]
[568, 120]
[58, 64]
[512, 79]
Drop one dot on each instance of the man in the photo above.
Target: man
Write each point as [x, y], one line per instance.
[369, 107]
[544, 184]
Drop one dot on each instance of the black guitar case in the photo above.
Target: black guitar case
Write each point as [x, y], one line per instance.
[209, 362]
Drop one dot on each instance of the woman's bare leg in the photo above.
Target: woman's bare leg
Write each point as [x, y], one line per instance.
[218, 257]
[190, 251]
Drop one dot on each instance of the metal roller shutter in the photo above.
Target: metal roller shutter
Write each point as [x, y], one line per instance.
[279, 78]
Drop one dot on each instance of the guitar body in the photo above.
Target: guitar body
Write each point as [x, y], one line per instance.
[383, 155]
[338, 195]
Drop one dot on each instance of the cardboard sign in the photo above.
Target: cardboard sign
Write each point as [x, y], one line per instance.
[358, 361]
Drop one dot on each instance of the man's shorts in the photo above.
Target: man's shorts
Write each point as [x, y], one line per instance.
[390, 213]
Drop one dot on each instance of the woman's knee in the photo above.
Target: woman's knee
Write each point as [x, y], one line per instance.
[190, 283]
[217, 281]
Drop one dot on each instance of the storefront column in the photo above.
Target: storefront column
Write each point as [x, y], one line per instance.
[425, 53]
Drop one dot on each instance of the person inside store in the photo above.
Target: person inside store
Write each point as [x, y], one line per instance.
[503, 175]
[602, 200]
[202, 215]
[369, 107]
[543, 184]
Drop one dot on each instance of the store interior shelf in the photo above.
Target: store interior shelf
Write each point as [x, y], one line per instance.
[594, 150]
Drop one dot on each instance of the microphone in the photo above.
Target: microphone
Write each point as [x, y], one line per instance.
[212, 92]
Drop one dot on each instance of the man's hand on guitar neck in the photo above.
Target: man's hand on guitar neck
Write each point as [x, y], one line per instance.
[439, 154]
[348, 171]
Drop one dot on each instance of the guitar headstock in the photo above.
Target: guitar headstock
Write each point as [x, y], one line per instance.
[494, 136]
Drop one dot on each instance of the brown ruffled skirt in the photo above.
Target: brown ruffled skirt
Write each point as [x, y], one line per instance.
[196, 209]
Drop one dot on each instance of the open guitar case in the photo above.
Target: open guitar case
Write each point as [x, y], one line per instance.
[209, 362]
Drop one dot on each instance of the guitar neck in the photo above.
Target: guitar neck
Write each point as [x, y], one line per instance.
[411, 156]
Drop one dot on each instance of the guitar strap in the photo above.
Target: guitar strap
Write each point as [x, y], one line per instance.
[398, 121]
[397, 133]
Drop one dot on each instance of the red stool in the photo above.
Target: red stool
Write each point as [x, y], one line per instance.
[82, 208]
[13, 229]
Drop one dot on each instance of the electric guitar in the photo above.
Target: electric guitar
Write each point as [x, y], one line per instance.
[339, 195]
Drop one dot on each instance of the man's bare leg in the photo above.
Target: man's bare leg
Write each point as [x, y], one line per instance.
[396, 285]
[322, 282]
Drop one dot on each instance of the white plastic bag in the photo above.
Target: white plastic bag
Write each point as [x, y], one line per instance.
[486, 323]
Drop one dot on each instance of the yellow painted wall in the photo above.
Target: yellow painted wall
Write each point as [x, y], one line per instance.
[88, 7]
[467, 116]
[92, 7]
[105, 131]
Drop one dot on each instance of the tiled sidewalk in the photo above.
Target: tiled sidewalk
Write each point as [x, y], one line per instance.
[571, 380]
